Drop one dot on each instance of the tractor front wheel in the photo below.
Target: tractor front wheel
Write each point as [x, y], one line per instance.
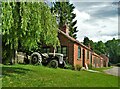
[53, 64]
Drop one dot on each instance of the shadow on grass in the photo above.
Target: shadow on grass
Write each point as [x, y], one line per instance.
[8, 71]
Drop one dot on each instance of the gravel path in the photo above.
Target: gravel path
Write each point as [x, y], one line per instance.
[113, 71]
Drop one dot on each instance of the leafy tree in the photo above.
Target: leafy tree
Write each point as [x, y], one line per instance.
[86, 41]
[65, 15]
[89, 42]
[100, 48]
[26, 24]
[113, 50]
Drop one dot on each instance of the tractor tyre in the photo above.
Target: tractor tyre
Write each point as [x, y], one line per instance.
[53, 64]
[36, 58]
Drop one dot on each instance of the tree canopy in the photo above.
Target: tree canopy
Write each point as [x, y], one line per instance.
[27, 24]
[65, 15]
[111, 48]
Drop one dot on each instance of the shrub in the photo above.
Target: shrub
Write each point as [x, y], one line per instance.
[109, 64]
[118, 64]
[78, 67]
[89, 66]
[68, 66]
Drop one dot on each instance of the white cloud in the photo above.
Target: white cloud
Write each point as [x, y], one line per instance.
[96, 30]
[82, 15]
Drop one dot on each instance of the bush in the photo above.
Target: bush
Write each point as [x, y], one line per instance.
[78, 67]
[68, 66]
[89, 66]
[109, 64]
[118, 64]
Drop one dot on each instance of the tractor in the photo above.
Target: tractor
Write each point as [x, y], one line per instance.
[53, 60]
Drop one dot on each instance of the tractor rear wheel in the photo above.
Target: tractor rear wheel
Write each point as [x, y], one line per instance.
[36, 58]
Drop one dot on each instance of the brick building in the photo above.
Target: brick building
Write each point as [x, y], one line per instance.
[74, 51]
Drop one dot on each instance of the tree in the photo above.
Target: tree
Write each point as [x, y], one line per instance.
[65, 15]
[113, 50]
[86, 41]
[100, 48]
[27, 24]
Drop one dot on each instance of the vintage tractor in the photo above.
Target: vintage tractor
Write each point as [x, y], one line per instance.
[53, 60]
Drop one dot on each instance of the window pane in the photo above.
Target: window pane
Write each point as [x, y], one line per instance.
[64, 51]
[64, 48]
[79, 52]
[59, 50]
[48, 50]
[44, 50]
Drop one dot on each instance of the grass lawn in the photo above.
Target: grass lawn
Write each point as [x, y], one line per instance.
[40, 76]
[102, 69]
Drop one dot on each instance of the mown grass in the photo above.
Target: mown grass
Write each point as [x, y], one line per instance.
[102, 69]
[40, 76]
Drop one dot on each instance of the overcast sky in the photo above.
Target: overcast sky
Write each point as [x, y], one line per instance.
[96, 20]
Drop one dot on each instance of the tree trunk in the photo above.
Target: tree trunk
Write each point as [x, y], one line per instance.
[15, 57]
[12, 57]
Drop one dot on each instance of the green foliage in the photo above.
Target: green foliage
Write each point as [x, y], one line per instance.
[68, 66]
[25, 24]
[109, 64]
[65, 15]
[78, 67]
[100, 47]
[86, 41]
[113, 50]
[118, 64]
[89, 66]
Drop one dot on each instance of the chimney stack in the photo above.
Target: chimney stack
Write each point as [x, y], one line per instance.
[65, 29]
[89, 46]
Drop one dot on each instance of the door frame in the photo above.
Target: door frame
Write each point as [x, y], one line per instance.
[83, 57]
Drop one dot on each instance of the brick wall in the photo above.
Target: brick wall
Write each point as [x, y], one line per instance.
[77, 61]
[97, 61]
[64, 41]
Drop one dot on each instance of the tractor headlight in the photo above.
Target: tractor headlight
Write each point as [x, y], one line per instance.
[61, 62]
